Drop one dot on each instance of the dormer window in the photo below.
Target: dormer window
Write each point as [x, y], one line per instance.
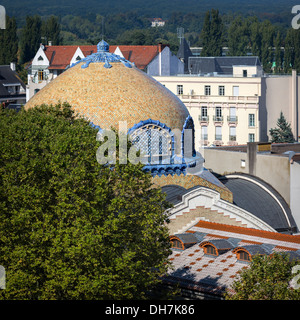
[243, 256]
[78, 58]
[245, 253]
[210, 250]
[182, 241]
[176, 244]
[216, 247]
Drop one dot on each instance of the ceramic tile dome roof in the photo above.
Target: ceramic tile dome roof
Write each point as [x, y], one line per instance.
[107, 89]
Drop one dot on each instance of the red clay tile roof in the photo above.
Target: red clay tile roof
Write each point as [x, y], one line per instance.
[60, 56]
[214, 276]
[248, 231]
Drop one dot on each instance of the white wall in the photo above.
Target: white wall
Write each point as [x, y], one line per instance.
[295, 191]
[165, 64]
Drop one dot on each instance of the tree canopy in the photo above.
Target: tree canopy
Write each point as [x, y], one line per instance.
[71, 228]
[268, 278]
[212, 34]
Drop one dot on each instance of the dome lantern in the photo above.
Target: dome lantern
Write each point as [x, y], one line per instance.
[103, 46]
[103, 55]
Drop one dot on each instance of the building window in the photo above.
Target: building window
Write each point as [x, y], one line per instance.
[204, 135]
[10, 90]
[207, 90]
[232, 133]
[176, 244]
[218, 115]
[154, 143]
[245, 73]
[251, 120]
[209, 249]
[221, 90]
[251, 137]
[236, 91]
[218, 133]
[232, 118]
[179, 89]
[243, 256]
[203, 116]
[41, 75]
[40, 58]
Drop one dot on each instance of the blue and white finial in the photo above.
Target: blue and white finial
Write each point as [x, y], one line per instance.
[103, 46]
[103, 55]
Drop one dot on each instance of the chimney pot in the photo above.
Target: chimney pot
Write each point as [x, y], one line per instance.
[13, 66]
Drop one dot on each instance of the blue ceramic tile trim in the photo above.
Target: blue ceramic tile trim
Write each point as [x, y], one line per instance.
[103, 55]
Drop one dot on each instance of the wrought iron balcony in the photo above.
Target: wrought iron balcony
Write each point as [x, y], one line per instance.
[232, 119]
[204, 118]
[232, 138]
[218, 137]
[204, 136]
[218, 118]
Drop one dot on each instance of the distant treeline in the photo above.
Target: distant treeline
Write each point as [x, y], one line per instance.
[277, 45]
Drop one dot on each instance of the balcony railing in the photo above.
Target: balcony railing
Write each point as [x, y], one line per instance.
[251, 99]
[218, 118]
[204, 118]
[232, 119]
[218, 137]
[232, 138]
[204, 136]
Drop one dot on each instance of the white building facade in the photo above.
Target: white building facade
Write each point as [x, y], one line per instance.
[225, 109]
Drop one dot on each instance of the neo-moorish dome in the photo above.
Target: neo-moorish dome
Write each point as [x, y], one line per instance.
[107, 89]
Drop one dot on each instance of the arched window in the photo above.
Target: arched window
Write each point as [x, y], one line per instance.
[243, 255]
[154, 142]
[210, 250]
[176, 244]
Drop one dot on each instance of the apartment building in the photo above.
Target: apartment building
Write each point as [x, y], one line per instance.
[225, 108]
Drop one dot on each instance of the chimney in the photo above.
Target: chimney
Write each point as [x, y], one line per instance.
[13, 66]
[49, 43]
[160, 47]
[159, 58]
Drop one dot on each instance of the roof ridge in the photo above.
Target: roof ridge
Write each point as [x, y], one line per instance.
[249, 231]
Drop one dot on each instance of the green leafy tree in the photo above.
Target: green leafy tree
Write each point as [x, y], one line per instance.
[51, 30]
[71, 228]
[268, 278]
[289, 54]
[205, 36]
[268, 33]
[278, 53]
[216, 33]
[238, 37]
[255, 36]
[283, 132]
[9, 42]
[30, 38]
[212, 34]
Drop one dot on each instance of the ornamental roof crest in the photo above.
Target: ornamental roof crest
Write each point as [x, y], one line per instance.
[103, 55]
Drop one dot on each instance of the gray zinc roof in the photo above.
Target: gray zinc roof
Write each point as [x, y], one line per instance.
[268, 206]
[187, 237]
[221, 65]
[221, 243]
